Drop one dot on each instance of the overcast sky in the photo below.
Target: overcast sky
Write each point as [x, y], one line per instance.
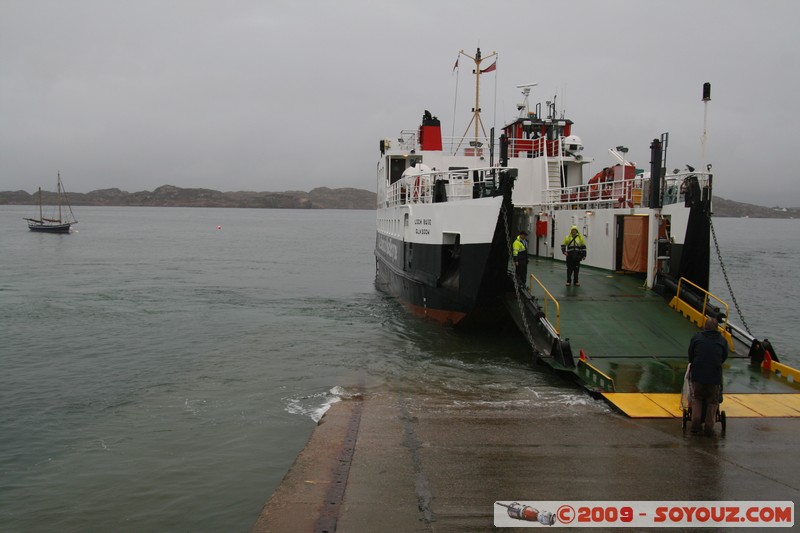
[291, 95]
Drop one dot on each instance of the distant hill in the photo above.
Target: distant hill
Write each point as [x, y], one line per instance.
[170, 196]
[319, 198]
[729, 208]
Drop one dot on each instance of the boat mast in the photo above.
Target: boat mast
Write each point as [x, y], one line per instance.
[41, 215]
[476, 111]
[58, 191]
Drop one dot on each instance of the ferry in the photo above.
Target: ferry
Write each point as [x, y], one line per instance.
[449, 209]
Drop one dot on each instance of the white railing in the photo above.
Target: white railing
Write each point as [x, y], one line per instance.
[633, 192]
[481, 147]
[471, 147]
[468, 146]
[618, 193]
[407, 140]
[456, 185]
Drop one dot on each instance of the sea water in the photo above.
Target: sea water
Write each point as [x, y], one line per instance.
[162, 367]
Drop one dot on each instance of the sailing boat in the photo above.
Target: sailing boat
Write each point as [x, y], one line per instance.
[63, 223]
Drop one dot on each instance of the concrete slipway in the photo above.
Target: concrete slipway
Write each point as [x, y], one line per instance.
[391, 461]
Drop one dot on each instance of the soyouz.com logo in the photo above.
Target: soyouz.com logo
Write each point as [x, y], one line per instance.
[640, 514]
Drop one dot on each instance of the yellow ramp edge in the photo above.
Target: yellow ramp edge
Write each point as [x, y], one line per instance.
[653, 405]
[646, 405]
[767, 405]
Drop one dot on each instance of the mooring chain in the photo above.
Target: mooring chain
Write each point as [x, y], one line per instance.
[725, 275]
[516, 281]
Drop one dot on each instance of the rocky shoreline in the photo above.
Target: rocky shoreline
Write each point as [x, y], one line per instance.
[170, 196]
[729, 208]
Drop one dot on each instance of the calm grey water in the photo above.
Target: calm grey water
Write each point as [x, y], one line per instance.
[159, 373]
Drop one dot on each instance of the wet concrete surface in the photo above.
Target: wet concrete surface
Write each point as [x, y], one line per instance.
[424, 463]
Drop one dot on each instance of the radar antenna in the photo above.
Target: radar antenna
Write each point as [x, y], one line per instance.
[523, 107]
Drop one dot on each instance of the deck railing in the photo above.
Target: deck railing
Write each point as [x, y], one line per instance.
[632, 193]
[482, 146]
[455, 185]
[546, 298]
[620, 193]
[464, 146]
[698, 316]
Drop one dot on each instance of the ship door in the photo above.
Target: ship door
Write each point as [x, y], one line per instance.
[396, 167]
[632, 242]
[450, 274]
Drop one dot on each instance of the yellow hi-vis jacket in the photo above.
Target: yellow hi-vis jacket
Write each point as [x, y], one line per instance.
[574, 245]
[520, 246]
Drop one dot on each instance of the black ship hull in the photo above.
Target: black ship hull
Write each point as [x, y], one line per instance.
[455, 287]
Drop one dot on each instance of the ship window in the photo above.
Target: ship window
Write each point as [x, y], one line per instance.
[397, 166]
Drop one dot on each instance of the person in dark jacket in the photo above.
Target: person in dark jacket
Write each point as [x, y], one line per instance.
[707, 351]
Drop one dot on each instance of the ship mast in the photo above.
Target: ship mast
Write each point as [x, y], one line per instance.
[476, 111]
[59, 197]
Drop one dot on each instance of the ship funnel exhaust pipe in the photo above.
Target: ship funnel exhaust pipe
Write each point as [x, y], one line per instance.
[503, 150]
[706, 91]
[655, 174]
